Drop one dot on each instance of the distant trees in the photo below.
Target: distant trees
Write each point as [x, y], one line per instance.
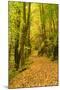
[48, 41]
[42, 30]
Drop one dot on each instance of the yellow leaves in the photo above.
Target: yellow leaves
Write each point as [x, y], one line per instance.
[42, 72]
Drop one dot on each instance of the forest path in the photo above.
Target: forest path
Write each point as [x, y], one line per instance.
[41, 72]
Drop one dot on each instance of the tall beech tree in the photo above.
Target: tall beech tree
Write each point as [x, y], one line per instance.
[24, 32]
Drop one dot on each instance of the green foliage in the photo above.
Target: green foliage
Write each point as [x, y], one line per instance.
[32, 27]
[51, 38]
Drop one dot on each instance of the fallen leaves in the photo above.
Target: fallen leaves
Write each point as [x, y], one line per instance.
[42, 72]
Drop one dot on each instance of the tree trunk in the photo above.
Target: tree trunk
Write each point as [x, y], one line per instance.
[24, 32]
[22, 40]
[17, 26]
[27, 43]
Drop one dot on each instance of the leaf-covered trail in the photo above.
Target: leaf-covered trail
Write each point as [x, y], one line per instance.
[42, 72]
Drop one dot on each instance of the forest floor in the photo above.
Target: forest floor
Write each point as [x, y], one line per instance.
[41, 72]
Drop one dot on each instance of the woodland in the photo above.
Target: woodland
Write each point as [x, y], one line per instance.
[33, 44]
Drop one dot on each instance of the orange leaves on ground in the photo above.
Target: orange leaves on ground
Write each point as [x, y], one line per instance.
[42, 72]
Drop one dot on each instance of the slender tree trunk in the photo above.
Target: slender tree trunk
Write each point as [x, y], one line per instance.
[16, 53]
[17, 26]
[28, 32]
[42, 29]
[22, 40]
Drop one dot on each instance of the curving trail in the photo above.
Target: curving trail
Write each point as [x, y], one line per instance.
[42, 72]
